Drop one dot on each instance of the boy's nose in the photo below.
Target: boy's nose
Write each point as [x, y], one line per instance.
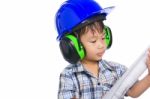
[101, 44]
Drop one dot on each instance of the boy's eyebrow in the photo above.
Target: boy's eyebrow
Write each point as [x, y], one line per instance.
[103, 34]
[95, 37]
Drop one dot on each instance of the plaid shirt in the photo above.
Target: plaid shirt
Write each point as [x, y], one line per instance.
[76, 81]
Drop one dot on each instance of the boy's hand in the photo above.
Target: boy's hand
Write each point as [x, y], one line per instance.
[148, 61]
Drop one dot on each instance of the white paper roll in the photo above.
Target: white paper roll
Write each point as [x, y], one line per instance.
[128, 79]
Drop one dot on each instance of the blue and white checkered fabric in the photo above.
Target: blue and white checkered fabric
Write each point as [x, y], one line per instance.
[76, 81]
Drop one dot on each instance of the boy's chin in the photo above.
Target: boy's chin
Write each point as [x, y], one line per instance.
[98, 59]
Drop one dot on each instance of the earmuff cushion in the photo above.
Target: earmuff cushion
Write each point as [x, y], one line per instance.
[77, 45]
[68, 50]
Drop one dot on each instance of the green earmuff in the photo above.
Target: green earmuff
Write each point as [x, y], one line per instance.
[73, 50]
[77, 45]
[108, 36]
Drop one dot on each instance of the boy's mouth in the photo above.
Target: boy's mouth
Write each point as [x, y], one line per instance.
[100, 53]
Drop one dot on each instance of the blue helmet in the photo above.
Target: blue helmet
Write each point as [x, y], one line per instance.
[74, 12]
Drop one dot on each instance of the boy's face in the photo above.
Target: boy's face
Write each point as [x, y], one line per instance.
[94, 45]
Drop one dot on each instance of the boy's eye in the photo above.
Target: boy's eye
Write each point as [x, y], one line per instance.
[93, 41]
[103, 38]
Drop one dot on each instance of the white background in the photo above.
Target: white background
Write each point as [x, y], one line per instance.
[30, 59]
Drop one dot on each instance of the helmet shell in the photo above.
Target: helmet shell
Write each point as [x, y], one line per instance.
[74, 12]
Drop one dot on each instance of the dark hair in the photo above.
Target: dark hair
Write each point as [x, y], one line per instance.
[96, 26]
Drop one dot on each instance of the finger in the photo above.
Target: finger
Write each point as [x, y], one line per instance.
[148, 56]
[148, 49]
[148, 61]
[148, 52]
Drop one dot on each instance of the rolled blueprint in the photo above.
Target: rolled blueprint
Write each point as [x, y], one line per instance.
[120, 88]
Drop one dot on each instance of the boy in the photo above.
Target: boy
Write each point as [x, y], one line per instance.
[83, 40]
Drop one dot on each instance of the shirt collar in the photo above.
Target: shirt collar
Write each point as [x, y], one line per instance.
[78, 67]
[103, 65]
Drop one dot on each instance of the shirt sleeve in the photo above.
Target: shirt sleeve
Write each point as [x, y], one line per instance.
[66, 86]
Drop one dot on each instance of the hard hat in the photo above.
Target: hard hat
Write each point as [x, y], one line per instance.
[75, 12]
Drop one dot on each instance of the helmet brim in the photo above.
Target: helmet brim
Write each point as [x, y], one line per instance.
[107, 10]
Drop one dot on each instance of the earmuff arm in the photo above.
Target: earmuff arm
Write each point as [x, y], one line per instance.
[78, 39]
